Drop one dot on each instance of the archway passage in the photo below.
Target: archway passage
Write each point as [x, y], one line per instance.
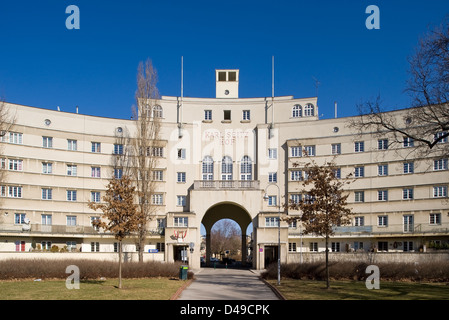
[231, 211]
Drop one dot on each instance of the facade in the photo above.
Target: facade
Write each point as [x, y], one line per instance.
[217, 158]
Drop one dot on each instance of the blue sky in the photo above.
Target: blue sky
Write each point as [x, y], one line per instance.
[44, 64]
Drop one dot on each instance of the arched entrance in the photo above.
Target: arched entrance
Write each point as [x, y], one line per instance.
[226, 210]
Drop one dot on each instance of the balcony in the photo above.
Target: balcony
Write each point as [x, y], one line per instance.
[226, 185]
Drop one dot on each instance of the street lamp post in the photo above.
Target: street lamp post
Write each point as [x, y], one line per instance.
[265, 197]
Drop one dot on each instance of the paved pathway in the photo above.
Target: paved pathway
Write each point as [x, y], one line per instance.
[227, 284]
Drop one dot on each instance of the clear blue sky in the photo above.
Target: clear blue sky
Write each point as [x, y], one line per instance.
[43, 64]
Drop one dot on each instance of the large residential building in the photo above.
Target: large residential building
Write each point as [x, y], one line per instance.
[217, 158]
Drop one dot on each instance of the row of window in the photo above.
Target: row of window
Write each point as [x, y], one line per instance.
[357, 245]
[382, 195]
[359, 146]
[408, 221]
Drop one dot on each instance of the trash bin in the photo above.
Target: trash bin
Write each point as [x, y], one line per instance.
[183, 272]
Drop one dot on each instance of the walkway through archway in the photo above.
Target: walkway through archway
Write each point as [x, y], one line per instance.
[226, 210]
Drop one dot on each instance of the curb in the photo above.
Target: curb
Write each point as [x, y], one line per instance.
[180, 290]
[274, 289]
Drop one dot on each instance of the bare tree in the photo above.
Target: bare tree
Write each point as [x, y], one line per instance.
[323, 205]
[7, 121]
[119, 212]
[225, 236]
[147, 117]
[426, 123]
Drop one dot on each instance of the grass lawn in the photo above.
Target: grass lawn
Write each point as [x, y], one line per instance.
[132, 289]
[356, 290]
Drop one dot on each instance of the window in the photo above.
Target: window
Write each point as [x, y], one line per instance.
[118, 173]
[382, 144]
[46, 194]
[47, 168]
[359, 221]
[442, 136]
[292, 224]
[359, 196]
[272, 177]
[19, 218]
[271, 222]
[295, 197]
[407, 193]
[227, 115]
[71, 170]
[335, 246]
[226, 168]
[118, 148]
[359, 146]
[71, 195]
[157, 111]
[272, 153]
[158, 199]
[408, 167]
[408, 142]
[296, 111]
[157, 152]
[71, 145]
[440, 164]
[14, 165]
[71, 220]
[221, 76]
[160, 246]
[337, 173]
[47, 142]
[46, 219]
[208, 115]
[359, 172]
[15, 137]
[181, 222]
[246, 115]
[336, 148]
[95, 172]
[440, 191]
[95, 247]
[232, 76]
[181, 177]
[292, 246]
[382, 195]
[158, 175]
[46, 245]
[272, 201]
[296, 175]
[71, 245]
[95, 196]
[408, 246]
[309, 151]
[181, 154]
[382, 245]
[296, 152]
[382, 221]
[181, 200]
[13, 191]
[208, 168]
[313, 246]
[382, 170]
[309, 110]
[96, 147]
[246, 168]
[435, 218]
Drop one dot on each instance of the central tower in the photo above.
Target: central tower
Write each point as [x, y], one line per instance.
[227, 83]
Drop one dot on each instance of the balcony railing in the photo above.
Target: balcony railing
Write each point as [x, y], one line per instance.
[35, 228]
[391, 229]
[226, 184]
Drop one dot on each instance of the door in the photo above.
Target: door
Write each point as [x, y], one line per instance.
[180, 253]
[271, 255]
[408, 223]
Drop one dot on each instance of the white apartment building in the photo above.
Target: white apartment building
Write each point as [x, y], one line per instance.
[217, 158]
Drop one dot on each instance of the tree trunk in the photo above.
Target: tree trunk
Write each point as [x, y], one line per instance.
[327, 262]
[120, 264]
